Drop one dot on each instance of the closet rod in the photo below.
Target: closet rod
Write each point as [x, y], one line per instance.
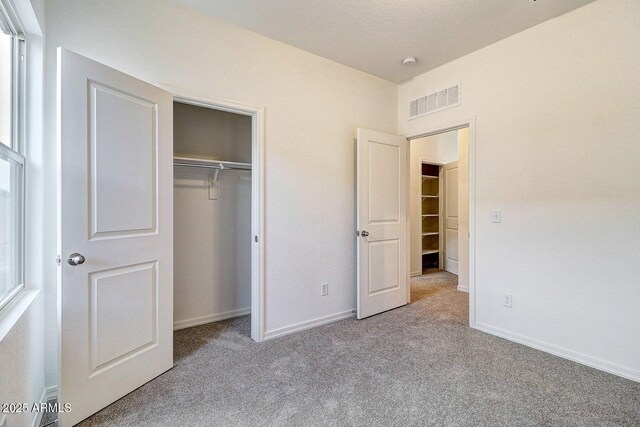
[209, 164]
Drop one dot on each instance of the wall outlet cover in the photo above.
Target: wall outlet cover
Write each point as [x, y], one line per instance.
[507, 300]
[324, 289]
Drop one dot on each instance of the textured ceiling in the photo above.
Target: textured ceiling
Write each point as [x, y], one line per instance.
[375, 35]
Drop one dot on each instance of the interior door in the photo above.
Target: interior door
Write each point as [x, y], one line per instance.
[382, 184]
[115, 237]
[450, 174]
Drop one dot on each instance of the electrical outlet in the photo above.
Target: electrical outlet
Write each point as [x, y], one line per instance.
[507, 300]
[324, 289]
[496, 216]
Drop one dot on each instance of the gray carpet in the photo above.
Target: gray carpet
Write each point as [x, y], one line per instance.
[416, 365]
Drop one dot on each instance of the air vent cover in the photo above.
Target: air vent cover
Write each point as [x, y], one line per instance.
[437, 101]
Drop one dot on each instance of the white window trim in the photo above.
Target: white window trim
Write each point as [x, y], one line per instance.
[12, 313]
[9, 20]
[16, 290]
[32, 74]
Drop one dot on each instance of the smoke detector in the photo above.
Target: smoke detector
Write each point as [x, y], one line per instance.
[409, 60]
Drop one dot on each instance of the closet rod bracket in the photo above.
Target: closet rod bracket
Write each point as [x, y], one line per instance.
[213, 183]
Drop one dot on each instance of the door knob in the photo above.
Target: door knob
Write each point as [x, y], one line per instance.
[75, 259]
[364, 233]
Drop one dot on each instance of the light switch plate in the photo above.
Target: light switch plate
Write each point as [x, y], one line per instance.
[496, 216]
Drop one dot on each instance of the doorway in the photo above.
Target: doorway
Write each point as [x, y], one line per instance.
[218, 252]
[439, 209]
[389, 215]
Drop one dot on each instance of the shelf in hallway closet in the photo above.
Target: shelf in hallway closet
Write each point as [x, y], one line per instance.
[430, 251]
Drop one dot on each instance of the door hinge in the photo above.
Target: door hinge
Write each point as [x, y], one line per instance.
[255, 239]
[58, 260]
[358, 233]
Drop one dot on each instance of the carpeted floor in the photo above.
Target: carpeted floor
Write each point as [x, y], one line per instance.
[416, 365]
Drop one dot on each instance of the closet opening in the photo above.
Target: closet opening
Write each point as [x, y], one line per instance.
[217, 214]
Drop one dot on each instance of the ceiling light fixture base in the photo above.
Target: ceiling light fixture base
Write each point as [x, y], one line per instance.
[409, 60]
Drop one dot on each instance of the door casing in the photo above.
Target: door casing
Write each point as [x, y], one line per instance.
[257, 193]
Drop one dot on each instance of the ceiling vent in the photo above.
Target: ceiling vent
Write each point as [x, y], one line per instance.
[437, 101]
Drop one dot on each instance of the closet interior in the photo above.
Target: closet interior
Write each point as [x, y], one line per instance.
[212, 214]
[430, 193]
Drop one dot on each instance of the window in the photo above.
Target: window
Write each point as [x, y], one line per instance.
[11, 158]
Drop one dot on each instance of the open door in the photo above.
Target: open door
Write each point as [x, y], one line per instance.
[450, 217]
[115, 237]
[382, 185]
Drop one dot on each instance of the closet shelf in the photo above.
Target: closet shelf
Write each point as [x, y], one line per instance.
[430, 215]
[191, 162]
[430, 251]
[429, 197]
[429, 177]
[431, 233]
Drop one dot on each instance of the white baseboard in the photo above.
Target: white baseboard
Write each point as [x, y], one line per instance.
[47, 394]
[309, 324]
[463, 289]
[583, 359]
[416, 273]
[197, 321]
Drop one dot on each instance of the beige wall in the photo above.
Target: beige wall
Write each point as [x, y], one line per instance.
[312, 109]
[556, 149]
[211, 134]
[22, 364]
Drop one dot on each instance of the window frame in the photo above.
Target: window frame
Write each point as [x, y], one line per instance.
[9, 21]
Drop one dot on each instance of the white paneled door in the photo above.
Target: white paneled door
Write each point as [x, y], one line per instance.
[450, 175]
[115, 237]
[382, 184]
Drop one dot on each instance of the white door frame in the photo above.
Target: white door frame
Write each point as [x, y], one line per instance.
[456, 125]
[257, 193]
